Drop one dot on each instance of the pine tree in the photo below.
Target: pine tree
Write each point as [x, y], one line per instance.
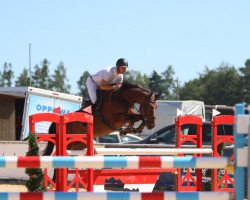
[168, 83]
[36, 175]
[156, 84]
[40, 77]
[7, 75]
[23, 79]
[81, 83]
[59, 80]
[136, 77]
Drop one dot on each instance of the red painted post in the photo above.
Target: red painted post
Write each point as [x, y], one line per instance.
[199, 145]
[217, 140]
[31, 124]
[90, 145]
[196, 138]
[87, 139]
[61, 177]
[42, 117]
[90, 152]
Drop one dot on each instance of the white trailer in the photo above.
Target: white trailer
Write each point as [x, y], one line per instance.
[18, 103]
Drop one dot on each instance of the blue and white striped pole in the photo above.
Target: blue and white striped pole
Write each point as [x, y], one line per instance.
[248, 158]
[114, 162]
[117, 195]
[239, 131]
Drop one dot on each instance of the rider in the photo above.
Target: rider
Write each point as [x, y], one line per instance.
[110, 78]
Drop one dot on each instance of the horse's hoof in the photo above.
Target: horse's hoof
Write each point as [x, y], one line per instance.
[139, 131]
[123, 132]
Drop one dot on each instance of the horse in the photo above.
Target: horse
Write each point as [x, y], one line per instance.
[116, 110]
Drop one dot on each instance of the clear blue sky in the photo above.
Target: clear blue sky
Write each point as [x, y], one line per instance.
[151, 34]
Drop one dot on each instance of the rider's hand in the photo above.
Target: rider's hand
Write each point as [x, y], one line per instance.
[116, 87]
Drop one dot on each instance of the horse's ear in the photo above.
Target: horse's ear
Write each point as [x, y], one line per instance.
[157, 96]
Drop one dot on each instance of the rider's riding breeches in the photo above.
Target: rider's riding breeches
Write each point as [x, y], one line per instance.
[92, 87]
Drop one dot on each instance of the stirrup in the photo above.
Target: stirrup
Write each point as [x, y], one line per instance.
[87, 103]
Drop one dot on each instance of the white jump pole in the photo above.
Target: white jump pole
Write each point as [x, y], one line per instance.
[143, 151]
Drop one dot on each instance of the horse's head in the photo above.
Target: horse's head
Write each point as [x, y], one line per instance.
[147, 109]
[146, 99]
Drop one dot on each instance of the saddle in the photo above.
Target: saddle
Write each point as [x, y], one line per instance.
[95, 109]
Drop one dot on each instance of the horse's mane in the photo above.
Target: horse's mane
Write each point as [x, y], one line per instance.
[129, 85]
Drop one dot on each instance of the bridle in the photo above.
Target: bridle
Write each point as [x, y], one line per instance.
[146, 118]
[148, 102]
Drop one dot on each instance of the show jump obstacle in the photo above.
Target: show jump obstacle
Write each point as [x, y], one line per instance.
[94, 163]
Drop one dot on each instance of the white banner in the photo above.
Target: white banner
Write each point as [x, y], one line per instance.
[41, 104]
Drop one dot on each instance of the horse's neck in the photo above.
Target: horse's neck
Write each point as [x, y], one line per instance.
[117, 106]
[135, 95]
[122, 101]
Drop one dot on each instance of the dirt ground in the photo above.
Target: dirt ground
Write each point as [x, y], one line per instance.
[19, 186]
[12, 186]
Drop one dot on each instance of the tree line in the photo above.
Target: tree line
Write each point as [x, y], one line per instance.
[225, 85]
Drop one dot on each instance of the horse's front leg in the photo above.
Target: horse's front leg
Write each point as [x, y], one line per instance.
[139, 128]
[130, 128]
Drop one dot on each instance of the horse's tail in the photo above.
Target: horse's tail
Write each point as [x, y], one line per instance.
[50, 146]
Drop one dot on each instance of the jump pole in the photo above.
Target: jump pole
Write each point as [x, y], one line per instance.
[116, 195]
[143, 151]
[114, 162]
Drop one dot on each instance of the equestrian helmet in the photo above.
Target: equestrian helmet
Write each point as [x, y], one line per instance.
[122, 62]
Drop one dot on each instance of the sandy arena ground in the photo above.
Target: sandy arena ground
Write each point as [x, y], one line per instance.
[19, 186]
[12, 186]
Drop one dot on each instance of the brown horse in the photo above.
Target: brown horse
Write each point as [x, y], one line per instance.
[116, 110]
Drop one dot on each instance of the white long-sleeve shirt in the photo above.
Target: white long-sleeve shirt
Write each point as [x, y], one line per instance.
[109, 74]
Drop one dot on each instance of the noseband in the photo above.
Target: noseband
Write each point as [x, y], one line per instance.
[146, 118]
[147, 103]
